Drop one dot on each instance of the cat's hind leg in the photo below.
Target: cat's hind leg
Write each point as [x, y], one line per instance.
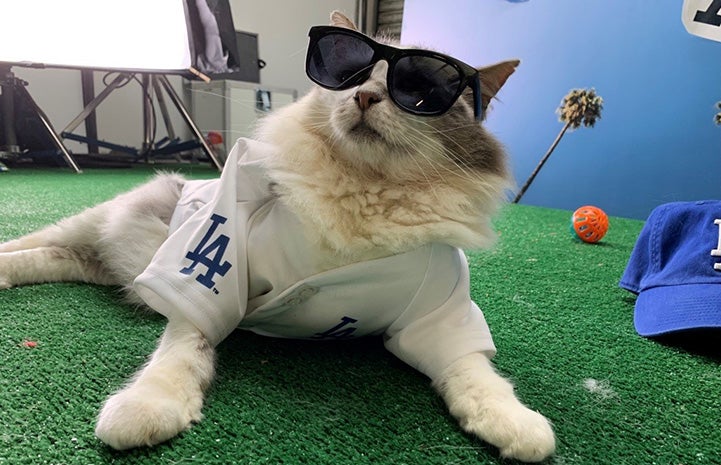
[64, 251]
[51, 264]
[106, 244]
[485, 405]
[79, 230]
[40, 238]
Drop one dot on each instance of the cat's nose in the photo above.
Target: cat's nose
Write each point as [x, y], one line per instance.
[365, 99]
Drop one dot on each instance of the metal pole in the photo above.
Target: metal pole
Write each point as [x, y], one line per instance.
[147, 116]
[87, 82]
[7, 87]
[163, 108]
[90, 107]
[186, 116]
[164, 112]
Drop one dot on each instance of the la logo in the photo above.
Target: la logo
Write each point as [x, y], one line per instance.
[340, 331]
[702, 18]
[717, 251]
[209, 254]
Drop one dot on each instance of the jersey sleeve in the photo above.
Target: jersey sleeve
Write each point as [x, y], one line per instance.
[442, 323]
[200, 272]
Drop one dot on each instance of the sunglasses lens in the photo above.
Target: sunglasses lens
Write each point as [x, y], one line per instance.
[336, 58]
[425, 85]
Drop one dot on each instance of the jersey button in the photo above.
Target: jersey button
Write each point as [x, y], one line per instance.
[308, 292]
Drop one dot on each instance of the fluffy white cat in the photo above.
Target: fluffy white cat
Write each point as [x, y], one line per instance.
[365, 182]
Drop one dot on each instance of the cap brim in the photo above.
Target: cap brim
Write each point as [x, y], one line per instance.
[663, 310]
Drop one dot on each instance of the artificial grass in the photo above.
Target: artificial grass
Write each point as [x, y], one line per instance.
[563, 329]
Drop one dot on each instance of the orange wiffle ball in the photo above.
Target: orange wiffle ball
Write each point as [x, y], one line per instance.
[589, 223]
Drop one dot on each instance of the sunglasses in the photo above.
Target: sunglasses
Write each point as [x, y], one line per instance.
[420, 82]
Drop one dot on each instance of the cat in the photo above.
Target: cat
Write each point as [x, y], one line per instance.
[354, 187]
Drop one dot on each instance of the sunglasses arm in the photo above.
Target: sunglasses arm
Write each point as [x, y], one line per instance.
[477, 98]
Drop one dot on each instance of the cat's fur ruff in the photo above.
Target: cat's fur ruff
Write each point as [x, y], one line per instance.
[371, 181]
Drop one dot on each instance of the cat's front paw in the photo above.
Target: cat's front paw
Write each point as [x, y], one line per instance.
[485, 405]
[145, 415]
[517, 431]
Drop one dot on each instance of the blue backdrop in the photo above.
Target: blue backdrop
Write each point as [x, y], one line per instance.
[656, 141]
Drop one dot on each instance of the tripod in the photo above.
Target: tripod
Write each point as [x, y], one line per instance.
[12, 87]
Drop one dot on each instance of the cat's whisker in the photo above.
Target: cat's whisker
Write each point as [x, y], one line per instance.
[443, 155]
[455, 128]
[241, 102]
[467, 171]
[424, 142]
[429, 182]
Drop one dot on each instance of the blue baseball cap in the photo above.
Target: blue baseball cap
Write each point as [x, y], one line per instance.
[675, 269]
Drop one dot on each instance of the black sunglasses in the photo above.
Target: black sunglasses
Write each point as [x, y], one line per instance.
[420, 82]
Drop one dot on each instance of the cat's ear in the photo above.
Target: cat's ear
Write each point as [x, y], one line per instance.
[340, 20]
[493, 77]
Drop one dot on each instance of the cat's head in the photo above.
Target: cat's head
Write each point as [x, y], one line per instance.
[372, 178]
[370, 131]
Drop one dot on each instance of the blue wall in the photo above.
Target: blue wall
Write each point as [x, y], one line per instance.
[656, 141]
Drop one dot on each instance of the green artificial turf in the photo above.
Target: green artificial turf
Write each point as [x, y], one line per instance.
[563, 329]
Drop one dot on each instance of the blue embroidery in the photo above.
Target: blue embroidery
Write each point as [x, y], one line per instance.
[339, 331]
[209, 255]
[709, 16]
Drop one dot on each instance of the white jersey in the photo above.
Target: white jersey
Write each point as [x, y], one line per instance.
[236, 256]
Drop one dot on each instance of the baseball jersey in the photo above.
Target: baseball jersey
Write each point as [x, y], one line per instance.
[236, 256]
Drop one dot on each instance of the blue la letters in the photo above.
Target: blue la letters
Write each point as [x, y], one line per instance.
[210, 255]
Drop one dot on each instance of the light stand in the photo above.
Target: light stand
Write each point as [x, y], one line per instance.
[152, 84]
